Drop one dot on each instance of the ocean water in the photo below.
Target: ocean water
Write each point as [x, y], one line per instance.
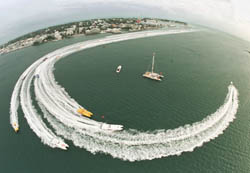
[197, 67]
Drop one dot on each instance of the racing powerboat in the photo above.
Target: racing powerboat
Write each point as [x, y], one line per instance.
[15, 126]
[84, 112]
[60, 144]
[111, 127]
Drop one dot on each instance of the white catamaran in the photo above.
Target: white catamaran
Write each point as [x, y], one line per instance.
[152, 74]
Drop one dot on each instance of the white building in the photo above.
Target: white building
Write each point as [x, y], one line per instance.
[70, 31]
[93, 31]
[57, 35]
[80, 29]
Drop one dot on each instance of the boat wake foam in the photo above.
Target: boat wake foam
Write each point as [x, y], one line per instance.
[60, 111]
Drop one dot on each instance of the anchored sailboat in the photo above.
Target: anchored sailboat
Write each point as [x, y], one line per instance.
[152, 74]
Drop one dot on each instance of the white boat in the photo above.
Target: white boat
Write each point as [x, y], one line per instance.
[111, 127]
[152, 74]
[118, 69]
[59, 144]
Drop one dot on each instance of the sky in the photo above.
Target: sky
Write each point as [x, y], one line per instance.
[19, 17]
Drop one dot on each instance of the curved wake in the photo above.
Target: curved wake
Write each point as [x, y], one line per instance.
[60, 111]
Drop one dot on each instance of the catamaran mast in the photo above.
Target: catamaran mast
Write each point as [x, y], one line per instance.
[153, 62]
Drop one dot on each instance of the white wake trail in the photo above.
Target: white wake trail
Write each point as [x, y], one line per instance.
[33, 118]
[150, 145]
[60, 111]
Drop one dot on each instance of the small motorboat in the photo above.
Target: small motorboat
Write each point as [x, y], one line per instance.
[118, 69]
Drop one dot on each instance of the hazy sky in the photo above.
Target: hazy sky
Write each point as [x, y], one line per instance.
[22, 16]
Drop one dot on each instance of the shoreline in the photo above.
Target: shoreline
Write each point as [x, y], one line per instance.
[88, 27]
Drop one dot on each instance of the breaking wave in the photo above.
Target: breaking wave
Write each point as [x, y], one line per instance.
[60, 111]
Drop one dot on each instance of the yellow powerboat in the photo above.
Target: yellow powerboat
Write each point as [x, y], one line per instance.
[15, 127]
[84, 112]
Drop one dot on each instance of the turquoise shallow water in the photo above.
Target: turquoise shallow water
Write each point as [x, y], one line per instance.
[198, 68]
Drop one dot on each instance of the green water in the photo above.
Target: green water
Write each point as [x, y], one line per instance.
[197, 67]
